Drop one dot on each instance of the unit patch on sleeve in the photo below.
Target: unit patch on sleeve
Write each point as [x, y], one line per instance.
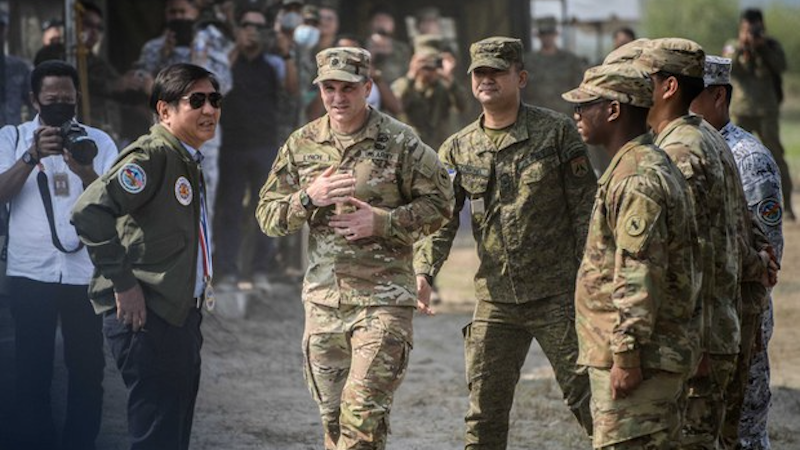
[770, 212]
[132, 178]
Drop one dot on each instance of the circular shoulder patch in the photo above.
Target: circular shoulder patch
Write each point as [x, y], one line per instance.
[183, 191]
[132, 178]
[770, 212]
[635, 225]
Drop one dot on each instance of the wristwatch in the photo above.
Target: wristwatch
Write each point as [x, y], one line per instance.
[305, 200]
[29, 159]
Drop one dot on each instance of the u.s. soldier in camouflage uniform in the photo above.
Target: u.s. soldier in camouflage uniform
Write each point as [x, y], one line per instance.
[761, 180]
[638, 283]
[530, 187]
[705, 160]
[758, 63]
[368, 188]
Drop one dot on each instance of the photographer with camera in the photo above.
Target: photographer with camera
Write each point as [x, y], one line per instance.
[45, 164]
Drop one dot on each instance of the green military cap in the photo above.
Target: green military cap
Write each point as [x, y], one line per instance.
[546, 25]
[427, 41]
[495, 52]
[342, 64]
[717, 71]
[626, 53]
[673, 55]
[625, 83]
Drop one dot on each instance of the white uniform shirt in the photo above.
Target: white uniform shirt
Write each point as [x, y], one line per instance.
[31, 253]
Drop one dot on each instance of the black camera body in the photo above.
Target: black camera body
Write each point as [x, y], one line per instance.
[757, 31]
[75, 139]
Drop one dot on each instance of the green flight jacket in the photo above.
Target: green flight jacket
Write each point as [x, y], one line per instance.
[140, 223]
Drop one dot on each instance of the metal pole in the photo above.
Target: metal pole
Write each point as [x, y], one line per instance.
[69, 30]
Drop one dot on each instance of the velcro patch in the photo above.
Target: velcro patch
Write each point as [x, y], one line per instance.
[580, 166]
[132, 178]
[770, 212]
[183, 191]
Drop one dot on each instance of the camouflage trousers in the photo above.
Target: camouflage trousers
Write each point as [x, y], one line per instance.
[355, 359]
[647, 419]
[496, 344]
[757, 397]
[704, 414]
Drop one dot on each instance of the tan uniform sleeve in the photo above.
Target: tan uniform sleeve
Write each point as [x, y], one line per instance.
[279, 211]
[580, 186]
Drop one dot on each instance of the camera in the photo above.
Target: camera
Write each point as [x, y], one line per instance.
[77, 141]
[757, 31]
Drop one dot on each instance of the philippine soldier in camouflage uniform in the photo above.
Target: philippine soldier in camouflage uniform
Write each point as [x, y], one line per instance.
[388, 190]
[704, 158]
[530, 187]
[761, 180]
[758, 62]
[638, 284]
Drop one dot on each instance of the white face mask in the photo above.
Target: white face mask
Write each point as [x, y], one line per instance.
[306, 36]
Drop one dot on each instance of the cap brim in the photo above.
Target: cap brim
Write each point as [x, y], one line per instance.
[339, 75]
[578, 95]
[494, 63]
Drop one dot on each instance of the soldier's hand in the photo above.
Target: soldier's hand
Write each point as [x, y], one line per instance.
[624, 381]
[355, 225]
[331, 187]
[771, 267]
[424, 296]
[131, 308]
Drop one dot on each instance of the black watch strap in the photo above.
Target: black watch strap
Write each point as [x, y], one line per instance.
[29, 159]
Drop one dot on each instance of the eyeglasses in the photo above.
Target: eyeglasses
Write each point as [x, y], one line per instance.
[579, 107]
[198, 99]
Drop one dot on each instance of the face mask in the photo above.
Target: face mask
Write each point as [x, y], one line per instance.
[290, 21]
[55, 114]
[306, 36]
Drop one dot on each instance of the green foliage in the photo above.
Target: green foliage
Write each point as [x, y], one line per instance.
[710, 23]
[781, 23]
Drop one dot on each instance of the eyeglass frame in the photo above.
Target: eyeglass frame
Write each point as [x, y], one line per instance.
[213, 98]
[577, 108]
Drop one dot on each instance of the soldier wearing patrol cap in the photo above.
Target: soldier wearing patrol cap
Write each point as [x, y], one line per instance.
[368, 188]
[637, 285]
[706, 162]
[525, 174]
[747, 397]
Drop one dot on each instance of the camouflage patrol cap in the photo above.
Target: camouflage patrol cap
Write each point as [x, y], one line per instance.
[426, 42]
[496, 52]
[547, 25]
[717, 71]
[673, 55]
[343, 64]
[625, 83]
[626, 53]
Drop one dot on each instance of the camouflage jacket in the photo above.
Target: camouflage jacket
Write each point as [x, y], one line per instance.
[530, 201]
[762, 189]
[429, 110]
[398, 175]
[638, 283]
[697, 149]
[756, 79]
[550, 76]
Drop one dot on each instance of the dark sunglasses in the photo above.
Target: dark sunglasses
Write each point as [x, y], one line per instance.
[198, 99]
[579, 107]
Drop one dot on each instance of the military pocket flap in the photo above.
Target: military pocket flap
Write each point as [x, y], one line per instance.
[537, 170]
[157, 250]
[475, 185]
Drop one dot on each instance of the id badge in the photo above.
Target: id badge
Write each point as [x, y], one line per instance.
[61, 184]
[477, 206]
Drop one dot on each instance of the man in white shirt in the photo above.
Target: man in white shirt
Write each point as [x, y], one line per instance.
[48, 268]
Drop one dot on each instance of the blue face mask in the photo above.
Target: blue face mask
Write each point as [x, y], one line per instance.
[306, 36]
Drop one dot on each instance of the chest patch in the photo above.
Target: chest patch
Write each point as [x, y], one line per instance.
[183, 191]
[770, 212]
[132, 178]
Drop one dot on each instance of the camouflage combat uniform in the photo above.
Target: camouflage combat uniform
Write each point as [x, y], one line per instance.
[359, 296]
[530, 191]
[755, 105]
[550, 76]
[429, 110]
[748, 394]
[702, 155]
[638, 284]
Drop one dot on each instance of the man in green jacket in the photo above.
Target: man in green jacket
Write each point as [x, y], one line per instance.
[145, 226]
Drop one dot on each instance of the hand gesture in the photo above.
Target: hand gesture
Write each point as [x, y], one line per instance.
[356, 225]
[331, 187]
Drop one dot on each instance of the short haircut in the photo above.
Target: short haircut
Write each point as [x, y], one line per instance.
[752, 15]
[241, 12]
[637, 114]
[351, 37]
[172, 83]
[52, 68]
[381, 9]
[690, 87]
[89, 6]
[627, 31]
[728, 93]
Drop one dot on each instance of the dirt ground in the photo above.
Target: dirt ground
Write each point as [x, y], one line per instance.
[253, 396]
